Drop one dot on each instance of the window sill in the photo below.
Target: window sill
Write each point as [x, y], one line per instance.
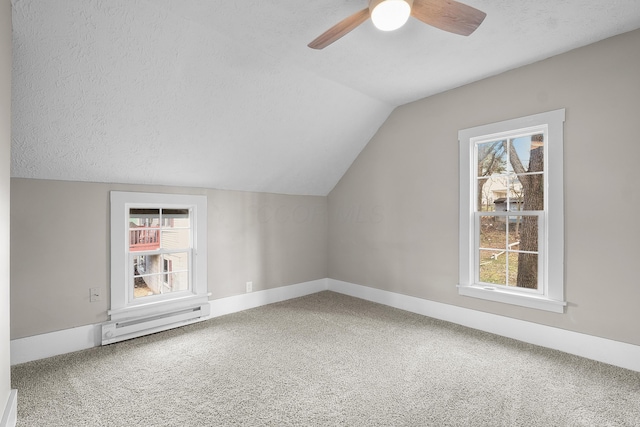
[500, 295]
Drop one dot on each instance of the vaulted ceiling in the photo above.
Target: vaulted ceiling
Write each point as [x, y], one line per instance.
[226, 94]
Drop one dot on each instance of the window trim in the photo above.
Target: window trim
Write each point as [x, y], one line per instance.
[121, 306]
[552, 296]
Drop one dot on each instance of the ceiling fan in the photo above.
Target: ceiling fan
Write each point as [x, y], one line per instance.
[388, 15]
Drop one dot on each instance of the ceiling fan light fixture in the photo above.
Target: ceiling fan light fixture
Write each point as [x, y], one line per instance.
[389, 15]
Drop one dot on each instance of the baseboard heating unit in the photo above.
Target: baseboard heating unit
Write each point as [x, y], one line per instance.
[120, 330]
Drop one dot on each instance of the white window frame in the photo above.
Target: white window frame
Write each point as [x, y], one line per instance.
[123, 306]
[550, 295]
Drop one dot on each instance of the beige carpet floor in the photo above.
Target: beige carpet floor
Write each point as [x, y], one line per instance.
[324, 360]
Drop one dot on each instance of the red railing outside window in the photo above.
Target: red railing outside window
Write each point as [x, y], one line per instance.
[144, 239]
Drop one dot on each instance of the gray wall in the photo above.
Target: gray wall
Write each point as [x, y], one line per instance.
[60, 247]
[394, 215]
[5, 159]
[393, 218]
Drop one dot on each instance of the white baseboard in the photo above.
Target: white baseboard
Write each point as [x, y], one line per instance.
[601, 349]
[10, 415]
[604, 350]
[69, 340]
[236, 303]
[54, 343]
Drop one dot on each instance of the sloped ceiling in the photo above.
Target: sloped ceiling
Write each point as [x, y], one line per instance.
[226, 94]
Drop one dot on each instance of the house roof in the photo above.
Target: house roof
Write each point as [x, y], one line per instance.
[502, 200]
[227, 94]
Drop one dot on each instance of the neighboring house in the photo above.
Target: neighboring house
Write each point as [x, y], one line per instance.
[495, 191]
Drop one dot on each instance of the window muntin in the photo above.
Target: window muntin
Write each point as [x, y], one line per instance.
[501, 165]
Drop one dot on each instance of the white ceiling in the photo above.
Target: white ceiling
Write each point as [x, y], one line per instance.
[226, 94]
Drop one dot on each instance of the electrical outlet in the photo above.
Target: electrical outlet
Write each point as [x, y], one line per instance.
[95, 294]
[249, 286]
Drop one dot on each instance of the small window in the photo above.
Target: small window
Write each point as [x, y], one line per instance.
[158, 253]
[511, 220]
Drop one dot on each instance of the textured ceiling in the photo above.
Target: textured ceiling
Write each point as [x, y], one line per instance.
[226, 94]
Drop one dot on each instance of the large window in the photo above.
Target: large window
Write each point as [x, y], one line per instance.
[158, 253]
[511, 220]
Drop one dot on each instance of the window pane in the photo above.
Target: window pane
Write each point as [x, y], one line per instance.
[144, 280]
[176, 233]
[524, 229]
[141, 289]
[178, 218]
[499, 193]
[523, 270]
[178, 261]
[176, 239]
[143, 263]
[493, 232]
[143, 229]
[144, 217]
[178, 282]
[512, 268]
[143, 239]
[492, 158]
[532, 192]
[493, 267]
[526, 154]
[515, 224]
[515, 193]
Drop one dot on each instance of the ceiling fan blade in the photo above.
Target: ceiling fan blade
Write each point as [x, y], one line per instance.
[340, 29]
[448, 15]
